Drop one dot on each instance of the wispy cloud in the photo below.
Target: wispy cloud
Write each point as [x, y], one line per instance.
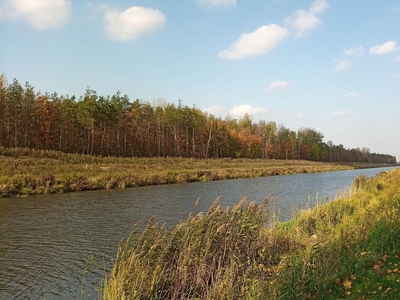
[388, 47]
[216, 3]
[341, 113]
[277, 85]
[300, 115]
[241, 110]
[41, 14]
[355, 51]
[342, 65]
[351, 95]
[130, 24]
[259, 42]
[303, 21]
[318, 7]
[350, 56]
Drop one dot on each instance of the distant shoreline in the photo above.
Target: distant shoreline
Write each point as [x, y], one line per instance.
[34, 172]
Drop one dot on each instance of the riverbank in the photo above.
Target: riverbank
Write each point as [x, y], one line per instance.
[25, 172]
[344, 249]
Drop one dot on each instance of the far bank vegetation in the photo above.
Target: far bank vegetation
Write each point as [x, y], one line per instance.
[24, 171]
[117, 126]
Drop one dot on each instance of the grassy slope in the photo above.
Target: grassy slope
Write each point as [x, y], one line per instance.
[27, 172]
[348, 248]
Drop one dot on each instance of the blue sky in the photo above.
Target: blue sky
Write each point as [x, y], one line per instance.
[329, 65]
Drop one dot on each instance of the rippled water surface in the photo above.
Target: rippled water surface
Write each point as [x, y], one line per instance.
[47, 242]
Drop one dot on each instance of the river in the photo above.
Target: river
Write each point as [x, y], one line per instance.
[47, 242]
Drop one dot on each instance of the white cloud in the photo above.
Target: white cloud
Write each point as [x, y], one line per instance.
[355, 51]
[215, 109]
[131, 23]
[277, 85]
[300, 115]
[318, 7]
[215, 3]
[239, 111]
[342, 65]
[268, 37]
[304, 21]
[352, 95]
[388, 47]
[41, 14]
[341, 113]
[259, 42]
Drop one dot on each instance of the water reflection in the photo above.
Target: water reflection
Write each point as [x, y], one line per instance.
[45, 241]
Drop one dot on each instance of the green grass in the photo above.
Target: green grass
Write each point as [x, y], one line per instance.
[345, 249]
[26, 172]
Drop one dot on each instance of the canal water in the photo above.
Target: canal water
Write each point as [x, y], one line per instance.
[61, 246]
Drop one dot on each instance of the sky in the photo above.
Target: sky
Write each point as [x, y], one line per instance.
[333, 66]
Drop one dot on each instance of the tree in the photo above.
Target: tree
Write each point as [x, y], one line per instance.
[28, 103]
[282, 140]
[44, 120]
[246, 123]
[268, 132]
[123, 118]
[70, 133]
[293, 145]
[4, 115]
[87, 111]
[330, 149]
[307, 138]
[14, 103]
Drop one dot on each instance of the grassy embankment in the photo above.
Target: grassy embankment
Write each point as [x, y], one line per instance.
[348, 248]
[29, 172]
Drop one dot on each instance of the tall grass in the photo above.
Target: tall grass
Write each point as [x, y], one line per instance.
[348, 248]
[214, 255]
[25, 171]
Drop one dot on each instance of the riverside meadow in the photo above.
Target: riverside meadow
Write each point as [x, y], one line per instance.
[25, 171]
[344, 249]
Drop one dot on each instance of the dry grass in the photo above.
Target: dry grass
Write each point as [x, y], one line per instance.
[27, 171]
[348, 248]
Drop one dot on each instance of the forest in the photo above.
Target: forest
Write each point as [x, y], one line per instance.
[116, 126]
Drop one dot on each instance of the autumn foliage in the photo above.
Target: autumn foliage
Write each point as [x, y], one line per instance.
[116, 126]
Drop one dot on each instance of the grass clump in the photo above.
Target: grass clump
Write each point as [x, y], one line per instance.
[210, 255]
[351, 249]
[344, 249]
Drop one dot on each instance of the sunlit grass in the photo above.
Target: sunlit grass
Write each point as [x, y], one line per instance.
[25, 171]
[345, 249]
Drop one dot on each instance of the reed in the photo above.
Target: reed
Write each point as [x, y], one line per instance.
[207, 256]
[26, 172]
[347, 248]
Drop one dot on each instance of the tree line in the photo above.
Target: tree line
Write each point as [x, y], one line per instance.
[116, 126]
